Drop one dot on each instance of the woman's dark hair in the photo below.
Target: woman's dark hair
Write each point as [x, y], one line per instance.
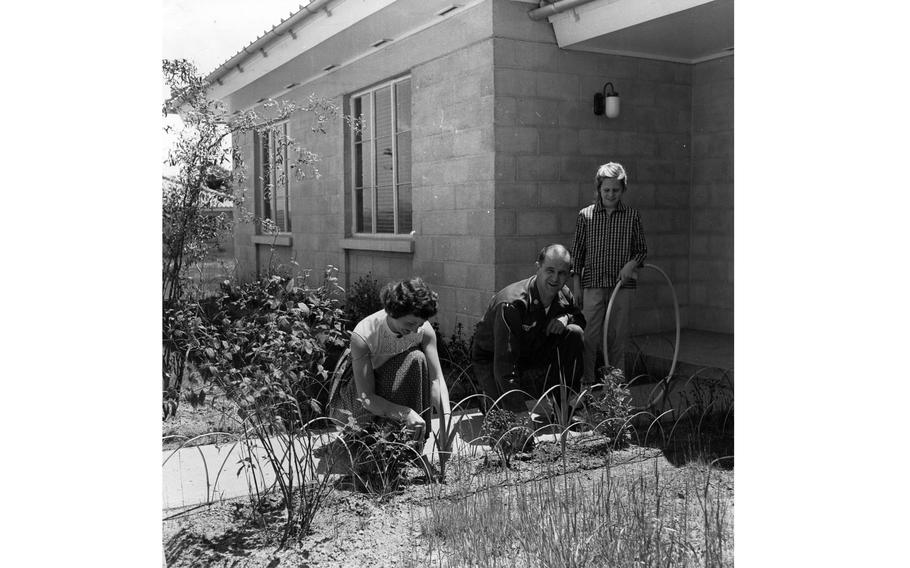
[409, 297]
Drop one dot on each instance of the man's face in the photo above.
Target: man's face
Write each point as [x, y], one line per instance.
[610, 191]
[552, 273]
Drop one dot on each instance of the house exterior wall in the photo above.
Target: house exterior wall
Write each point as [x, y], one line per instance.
[505, 146]
[549, 144]
[711, 275]
[451, 71]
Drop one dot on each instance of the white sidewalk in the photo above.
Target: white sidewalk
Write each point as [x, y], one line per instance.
[201, 474]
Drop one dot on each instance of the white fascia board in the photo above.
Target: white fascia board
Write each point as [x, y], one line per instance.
[605, 16]
[313, 31]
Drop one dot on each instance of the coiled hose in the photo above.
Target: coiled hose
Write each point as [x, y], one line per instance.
[666, 381]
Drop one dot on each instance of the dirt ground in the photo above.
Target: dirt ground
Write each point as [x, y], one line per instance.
[355, 529]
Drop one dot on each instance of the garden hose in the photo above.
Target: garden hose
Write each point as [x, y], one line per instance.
[666, 381]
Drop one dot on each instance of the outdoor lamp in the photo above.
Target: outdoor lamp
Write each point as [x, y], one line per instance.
[607, 102]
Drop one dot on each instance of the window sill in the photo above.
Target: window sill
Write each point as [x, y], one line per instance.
[281, 240]
[403, 243]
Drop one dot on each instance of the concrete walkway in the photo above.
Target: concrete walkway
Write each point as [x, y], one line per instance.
[202, 474]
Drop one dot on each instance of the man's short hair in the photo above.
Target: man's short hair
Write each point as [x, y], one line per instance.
[610, 170]
[546, 250]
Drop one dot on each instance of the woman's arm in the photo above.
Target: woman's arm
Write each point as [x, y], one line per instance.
[366, 387]
[439, 392]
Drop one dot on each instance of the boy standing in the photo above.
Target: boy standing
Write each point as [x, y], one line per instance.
[609, 247]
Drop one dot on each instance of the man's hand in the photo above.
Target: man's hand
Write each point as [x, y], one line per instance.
[628, 273]
[557, 326]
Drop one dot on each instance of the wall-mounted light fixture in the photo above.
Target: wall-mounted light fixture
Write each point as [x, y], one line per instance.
[607, 103]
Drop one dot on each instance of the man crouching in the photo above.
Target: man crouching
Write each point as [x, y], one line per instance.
[531, 333]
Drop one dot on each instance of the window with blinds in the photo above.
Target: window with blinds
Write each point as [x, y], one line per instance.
[381, 159]
[271, 146]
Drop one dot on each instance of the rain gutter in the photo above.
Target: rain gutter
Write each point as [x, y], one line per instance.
[558, 7]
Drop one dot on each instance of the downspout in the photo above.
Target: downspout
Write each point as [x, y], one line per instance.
[258, 45]
[547, 10]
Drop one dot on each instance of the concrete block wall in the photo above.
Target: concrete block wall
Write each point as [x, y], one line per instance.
[549, 144]
[450, 66]
[711, 274]
[453, 153]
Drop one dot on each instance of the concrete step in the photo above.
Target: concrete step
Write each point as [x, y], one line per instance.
[702, 381]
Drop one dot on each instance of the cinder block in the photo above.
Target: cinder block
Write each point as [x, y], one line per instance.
[504, 168]
[479, 222]
[515, 82]
[514, 249]
[538, 112]
[672, 96]
[560, 86]
[474, 195]
[516, 195]
[659, 71]
[616, 68]
[505, 110]
[537, 168]
[481, 277]
[536, 222]
[455, 274]
[434, 197]
[672, 196]
[505, 222]
[578, 169]
[473, 141]
[558, 194]
[516, 139]
[557, 141]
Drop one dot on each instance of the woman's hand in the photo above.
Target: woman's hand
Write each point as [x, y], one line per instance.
[413, 421]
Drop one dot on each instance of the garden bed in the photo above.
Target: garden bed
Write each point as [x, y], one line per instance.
[481, 511]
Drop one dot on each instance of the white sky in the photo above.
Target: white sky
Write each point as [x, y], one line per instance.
[208, 32]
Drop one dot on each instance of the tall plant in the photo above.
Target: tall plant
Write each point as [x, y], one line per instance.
[209, 172]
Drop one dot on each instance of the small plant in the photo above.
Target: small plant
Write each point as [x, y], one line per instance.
[609, 407]
[507, 435]
[376, 455]
[362, 299]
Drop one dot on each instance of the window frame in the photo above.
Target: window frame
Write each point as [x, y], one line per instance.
[268, 132]
[369, 94]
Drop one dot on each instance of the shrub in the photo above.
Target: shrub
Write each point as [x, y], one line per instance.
[267, 345]
[609, 406]
[362, 299]
[507, 435]
[376, 454]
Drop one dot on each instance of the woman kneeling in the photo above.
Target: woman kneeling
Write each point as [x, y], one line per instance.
[395, 362]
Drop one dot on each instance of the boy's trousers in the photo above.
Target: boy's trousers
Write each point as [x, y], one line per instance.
[614, 341]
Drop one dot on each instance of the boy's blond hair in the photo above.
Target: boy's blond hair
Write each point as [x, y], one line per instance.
[610, 170]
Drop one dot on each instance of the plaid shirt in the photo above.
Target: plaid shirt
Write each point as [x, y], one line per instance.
[605, 242]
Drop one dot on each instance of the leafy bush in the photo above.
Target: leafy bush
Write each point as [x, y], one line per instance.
[362, 299]
[267, 345]
[609, 406]
[376, 454]
[503, 431]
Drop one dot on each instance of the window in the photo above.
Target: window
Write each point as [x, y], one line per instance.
[271, 146]
[381, 159]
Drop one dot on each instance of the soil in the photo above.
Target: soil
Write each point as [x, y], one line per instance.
[356, 529]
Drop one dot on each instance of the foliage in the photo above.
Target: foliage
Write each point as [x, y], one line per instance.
[378, 453]
[210, 172]
[267, 345]
[362, 299]
[506, 434]
[609, 407]
[681, 517]
[455, 358]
